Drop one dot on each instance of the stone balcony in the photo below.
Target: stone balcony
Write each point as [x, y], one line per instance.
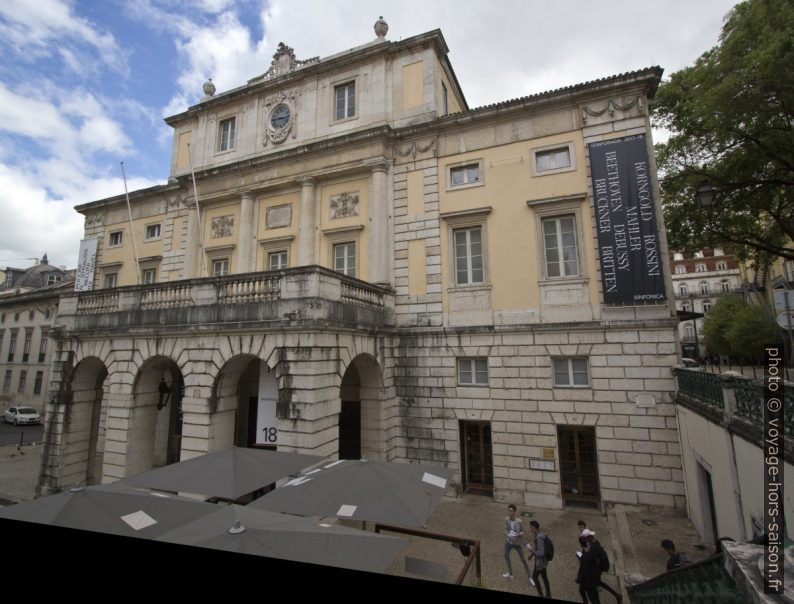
[309, 296]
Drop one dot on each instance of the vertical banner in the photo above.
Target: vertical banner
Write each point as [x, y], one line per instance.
[774, 515]
[628, 235]
[86, 263]
[266, 424]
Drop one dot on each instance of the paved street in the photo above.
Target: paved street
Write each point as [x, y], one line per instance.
[10, 434]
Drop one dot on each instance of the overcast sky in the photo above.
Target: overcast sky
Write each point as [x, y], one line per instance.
[85, 84]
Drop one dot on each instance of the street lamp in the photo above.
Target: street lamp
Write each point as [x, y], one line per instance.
[705, 194]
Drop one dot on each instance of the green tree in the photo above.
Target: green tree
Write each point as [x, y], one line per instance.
[731, 115]
[737, 329]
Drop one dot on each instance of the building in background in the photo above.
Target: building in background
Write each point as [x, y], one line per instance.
[374, 269]
[28, 307]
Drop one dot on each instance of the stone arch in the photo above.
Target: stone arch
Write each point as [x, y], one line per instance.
[361, 420]
[243, 404]
[83, 432]
[155, 423]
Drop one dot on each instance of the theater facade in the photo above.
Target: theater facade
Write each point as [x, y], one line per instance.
[368, 267]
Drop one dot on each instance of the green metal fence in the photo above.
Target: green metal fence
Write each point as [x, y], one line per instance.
[701, 386]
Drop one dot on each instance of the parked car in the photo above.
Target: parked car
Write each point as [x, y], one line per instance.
[692, 364]
[21, 415]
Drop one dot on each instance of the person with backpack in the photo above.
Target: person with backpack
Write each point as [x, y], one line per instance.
[515, 535]
[676, 559]
[594, 561]
[603, 561]
[542, 550]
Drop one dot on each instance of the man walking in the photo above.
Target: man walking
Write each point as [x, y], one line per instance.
[515, 536]
[584, 544]
[538, 551]
[589, 577]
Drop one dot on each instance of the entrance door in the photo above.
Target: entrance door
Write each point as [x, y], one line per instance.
[477, 456]
[709, 510]
[175, 421]
[578, 465]
[350, 430]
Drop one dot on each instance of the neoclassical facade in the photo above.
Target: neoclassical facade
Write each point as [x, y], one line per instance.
[368, 267]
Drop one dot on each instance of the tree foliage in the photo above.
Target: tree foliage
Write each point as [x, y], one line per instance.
[731, 115]
[739, 330]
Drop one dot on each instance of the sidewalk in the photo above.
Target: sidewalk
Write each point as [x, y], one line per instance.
[19, 472]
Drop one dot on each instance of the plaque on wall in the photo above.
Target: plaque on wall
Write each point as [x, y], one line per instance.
[222, 226]
[279, 216]
[344, 205]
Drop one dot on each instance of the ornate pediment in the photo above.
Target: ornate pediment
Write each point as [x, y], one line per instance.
[284, 61]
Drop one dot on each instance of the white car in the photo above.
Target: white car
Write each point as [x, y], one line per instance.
[21, 415]
[692, 364]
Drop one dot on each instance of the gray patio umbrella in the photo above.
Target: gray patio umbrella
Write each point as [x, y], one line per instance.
[117, 509]
[244, 530]
[392, 493]
[230, 473]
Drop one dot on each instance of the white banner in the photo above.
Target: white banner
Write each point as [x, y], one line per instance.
[86, 263]
[266, 425]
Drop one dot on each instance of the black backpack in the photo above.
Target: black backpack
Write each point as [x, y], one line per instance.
[549, 548]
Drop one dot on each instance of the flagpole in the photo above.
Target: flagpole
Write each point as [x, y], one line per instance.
[132, 227]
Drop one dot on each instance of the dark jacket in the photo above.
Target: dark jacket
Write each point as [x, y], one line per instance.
[589, 569]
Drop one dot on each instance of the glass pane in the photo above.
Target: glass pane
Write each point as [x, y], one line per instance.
[457, 176]
[542, 161]
[473, 174]
[580, 379]
[351, 100]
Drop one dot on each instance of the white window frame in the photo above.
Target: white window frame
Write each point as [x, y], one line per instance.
[534, 152]
[478, 182]
[559, 207]
[725, 286]
[347, 268]
[114, 277]
[120, 242]
[558, 233]
[224, 263]
[53, 279]
[683, 290]
[700, 268]
[145, 272]
[462, 220]
[680, 270]
[706, 307]
[685, 307]
[470, 276]
[219, 252]
[703, 288]
[721, 266]
[344, 235]
[689, 331]
[23, 381]
[275, 245]
[279, 254]
[230, 143]
[569, 366]
[473, 366]
[345, 84]
[147, 237]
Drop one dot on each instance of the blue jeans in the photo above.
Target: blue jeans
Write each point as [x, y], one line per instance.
[517, 547]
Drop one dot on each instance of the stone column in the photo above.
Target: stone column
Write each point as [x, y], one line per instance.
[246, 257]
[307, 254]
[378, 241]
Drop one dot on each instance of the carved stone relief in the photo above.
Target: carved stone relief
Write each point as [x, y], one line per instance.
[222, 226]
[279, 216]
[610, 107]
[279, 135]
[344, 205]
[94, 220]
[413, 148]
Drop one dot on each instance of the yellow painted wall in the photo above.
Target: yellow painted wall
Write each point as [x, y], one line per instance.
[209, 242]
[182, 157]
[413, 76]
[263, 233]
[361, 186]
[452, 102]
[417, 267]
[416, 192]
[125, 254]
[513, 265]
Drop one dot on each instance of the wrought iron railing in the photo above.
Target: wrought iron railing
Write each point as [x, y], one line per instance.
[749, 400]
[701, 386]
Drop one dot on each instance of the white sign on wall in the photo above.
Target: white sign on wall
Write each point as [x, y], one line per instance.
[266, 424]
[86, 263]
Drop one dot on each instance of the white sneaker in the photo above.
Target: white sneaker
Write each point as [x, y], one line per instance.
[532, 582]
[507, 576]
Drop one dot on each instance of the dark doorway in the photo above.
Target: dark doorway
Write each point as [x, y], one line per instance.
[350, 430]
[578, 466]
[175, 438]
[707, 505]
[477, 460]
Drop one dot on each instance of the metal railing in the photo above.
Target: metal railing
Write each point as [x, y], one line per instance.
[701, 386]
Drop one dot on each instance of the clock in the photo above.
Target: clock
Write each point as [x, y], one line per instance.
[280, 117]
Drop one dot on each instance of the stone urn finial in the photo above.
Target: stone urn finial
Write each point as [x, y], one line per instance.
[381, 28]
[209, 89]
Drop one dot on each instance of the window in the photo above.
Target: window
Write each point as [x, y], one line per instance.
[721, 266]
[685, 307]
[111, 280]
[43, 347]
[220, 267]
[704, 288]
[115, 238]
[559, 242]
[680, 270]
[553, 159]
[444, 99]
[345, 258]
[7, 381]
[37, 383]
[345, 95]
[149, 276]
[689, 331]
[9, 279]
[464, 175]
[699, 254]
[53, 279]
[152, 231]
[12, 347]
[726, 286]
[571, 373]
[23, 377]
[473, 372]
[700, 268]
[277, 260]
[26, 347]
[706, 307]
[468, 256]
[226, 134]
[683, 290]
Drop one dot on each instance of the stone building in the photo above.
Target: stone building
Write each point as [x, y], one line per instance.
[372, 268]
[28, 308]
